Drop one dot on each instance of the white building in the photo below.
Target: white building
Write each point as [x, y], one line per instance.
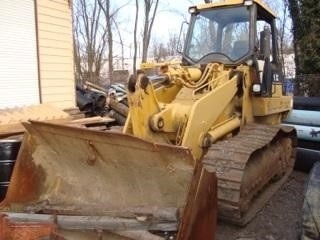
[36, 53]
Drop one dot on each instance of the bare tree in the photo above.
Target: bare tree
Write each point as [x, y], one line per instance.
[135, 42]
[105, 6]
[172, 44]
[93, 37]
[121, 42]
[89, 39]
[110, 19]
[281, 9]
[282, 34]
[160, 52]
[150, 10]
[78, 67]
[295, 13]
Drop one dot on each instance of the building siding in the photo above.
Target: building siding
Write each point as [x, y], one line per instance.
[19, 83]
[55, 49]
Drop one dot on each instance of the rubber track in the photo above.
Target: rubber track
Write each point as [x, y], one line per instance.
[229, 159]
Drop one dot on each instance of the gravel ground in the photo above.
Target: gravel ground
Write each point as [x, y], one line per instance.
[280, 219]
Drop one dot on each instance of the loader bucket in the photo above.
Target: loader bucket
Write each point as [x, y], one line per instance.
[76, 170]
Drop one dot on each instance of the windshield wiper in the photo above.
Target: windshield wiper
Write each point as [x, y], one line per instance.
[216, 53]
[188, 59]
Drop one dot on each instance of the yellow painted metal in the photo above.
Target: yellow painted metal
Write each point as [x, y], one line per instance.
[187, 119]
[149, 107]
[272, 119]
[182, 75]
[202, 116]
[172, 117]
[271, 105]
[188, 116]
[150, 65]
[224, 128]
[223, 3]
[143, 103]
[245, 101]
[166, 93]
[277, 89]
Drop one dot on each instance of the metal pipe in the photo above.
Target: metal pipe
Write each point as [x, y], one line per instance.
[306, 103]
[93, 222]
[309, 133]
[303, 117]
[306, 158]
[224, 129]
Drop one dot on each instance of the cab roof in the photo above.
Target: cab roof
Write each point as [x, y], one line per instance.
[220, 3]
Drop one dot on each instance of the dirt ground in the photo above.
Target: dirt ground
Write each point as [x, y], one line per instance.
[280, 219]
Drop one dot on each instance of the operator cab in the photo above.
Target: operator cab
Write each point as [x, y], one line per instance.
[220, 34]
[235, 33]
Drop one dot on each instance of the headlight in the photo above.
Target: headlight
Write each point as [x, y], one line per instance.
[256, 88]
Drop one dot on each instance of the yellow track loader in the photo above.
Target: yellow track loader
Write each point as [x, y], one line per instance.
[224, 103]
[217, 112]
